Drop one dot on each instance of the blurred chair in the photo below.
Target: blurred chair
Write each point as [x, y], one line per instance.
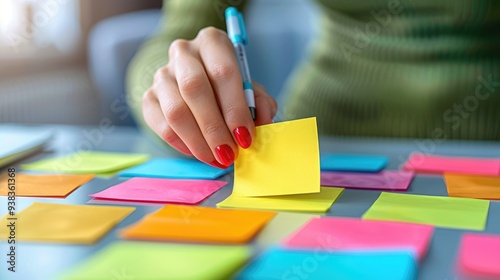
[279, 33]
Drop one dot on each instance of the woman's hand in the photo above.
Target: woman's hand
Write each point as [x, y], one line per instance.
[196, 103]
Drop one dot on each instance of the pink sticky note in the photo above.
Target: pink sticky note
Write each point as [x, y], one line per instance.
[440, 164]
[396, 180]
[330, 233]
[161, 190]
[479, 255]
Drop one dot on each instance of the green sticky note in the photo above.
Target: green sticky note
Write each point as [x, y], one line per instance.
[87, 162]
[440, 211]
[281, 226]
[310, 202]
[142, 260]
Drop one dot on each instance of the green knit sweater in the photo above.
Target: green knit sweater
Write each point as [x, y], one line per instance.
[384, 68]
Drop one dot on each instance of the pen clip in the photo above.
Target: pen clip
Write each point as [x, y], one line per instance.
[236, 26]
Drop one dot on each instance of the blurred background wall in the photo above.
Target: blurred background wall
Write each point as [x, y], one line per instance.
[44, 75]
[64, 61]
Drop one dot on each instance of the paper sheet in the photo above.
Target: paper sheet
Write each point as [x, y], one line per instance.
[87, 162]
[315, 202]
[479, 255]
[62, 223]
[463, 165]
[318, 265]
[385, 180]
[175, 168]
[161, 190]
[19, 141]
[283, 159]
[484, 187]
[199, 224]
[353, 163]
[54, 185]
[440, 211]
[142, 260]
[348, 234]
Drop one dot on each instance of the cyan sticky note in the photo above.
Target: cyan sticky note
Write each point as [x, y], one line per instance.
[175, 168]
[277, 263]
[354, 163]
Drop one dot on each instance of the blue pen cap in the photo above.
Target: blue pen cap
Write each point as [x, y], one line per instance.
[236, 26]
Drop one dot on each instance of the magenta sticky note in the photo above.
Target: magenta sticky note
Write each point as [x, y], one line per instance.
[329, 233]
[395, 180]
[479, 255]
[440, 164]
[161, 190]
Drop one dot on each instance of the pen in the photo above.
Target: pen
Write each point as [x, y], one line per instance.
[238, 36]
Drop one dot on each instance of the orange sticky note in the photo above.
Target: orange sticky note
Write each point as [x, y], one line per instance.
[483, 187]
[54, 185]
[199, 224]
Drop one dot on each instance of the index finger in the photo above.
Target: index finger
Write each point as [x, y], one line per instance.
[218, 57]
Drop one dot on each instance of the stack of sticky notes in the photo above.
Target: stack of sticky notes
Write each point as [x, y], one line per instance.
[479, 256]
[315, 202]
[440, 211]
[141, 260]
[280, 171]
[87, 163]
[283, 160]
[62, 223]
[175, 168]
[199, 224]
[35, 185]
[159, 190]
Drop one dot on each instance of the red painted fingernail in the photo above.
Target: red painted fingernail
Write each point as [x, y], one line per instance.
[218, 165]
[225, 154]
[243, 137]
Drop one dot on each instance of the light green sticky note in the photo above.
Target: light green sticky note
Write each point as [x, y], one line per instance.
[88, 162]
[440, 211]
[280, 227]
[313, 202]
[142, 260]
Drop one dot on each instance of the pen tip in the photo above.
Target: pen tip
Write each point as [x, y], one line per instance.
[252, 111]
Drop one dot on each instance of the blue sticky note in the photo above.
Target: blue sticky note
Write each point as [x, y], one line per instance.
[175, 168]
[353, 163]
[278, 263]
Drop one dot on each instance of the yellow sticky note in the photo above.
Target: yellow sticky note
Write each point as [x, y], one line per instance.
[48, 222]
[283, 159]
[53, 185]
[88, 162]
[314, 202]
